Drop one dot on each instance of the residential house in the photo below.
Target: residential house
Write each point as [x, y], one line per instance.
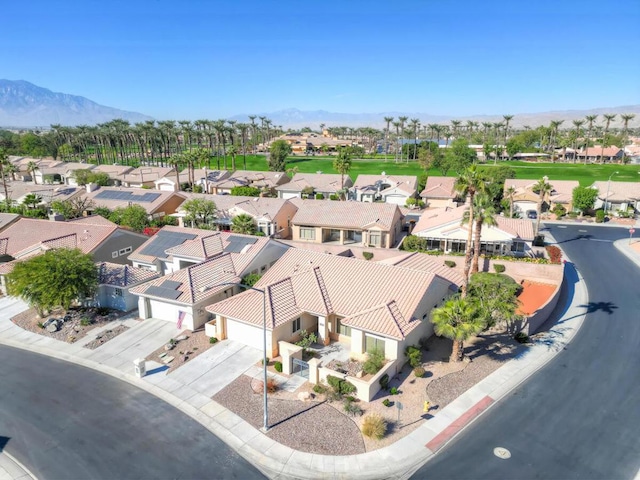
[209, 266]
[7, 219]
[598, 154]
[156, 203]
[618, 196]
[18, 192]
[525, 198]
[104, 240]
[142, 177]
[312, 185]
[356, 223]
[115, 172]
[271, 215]
[385, 188]
[364, 305]
[59, 173]
[440, 192]
[265, 181]
[114, 281]
[446, 232]
[305, 143]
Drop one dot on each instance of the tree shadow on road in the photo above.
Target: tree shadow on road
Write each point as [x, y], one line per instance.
[606, 307]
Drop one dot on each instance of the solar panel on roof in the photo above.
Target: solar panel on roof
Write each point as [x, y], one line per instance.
[170, 284]
[168, 293]
[164, 240]
[236, 244]
[127, 196]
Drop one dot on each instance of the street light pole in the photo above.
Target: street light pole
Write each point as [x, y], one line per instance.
[606, 199]
[265, 416]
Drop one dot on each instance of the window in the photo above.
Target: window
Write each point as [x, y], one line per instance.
[114, 254]
[517, 247]
[375, 239]
[118, 292]
[344, 329]
[307, 233]
[296, 325]
[334, 235]
[373, 343]
[124, 251]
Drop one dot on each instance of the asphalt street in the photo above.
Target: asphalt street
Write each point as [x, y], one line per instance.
[578, 417]
[65, 421]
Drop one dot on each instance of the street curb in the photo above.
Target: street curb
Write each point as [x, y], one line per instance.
[19, 464]
[622, 246]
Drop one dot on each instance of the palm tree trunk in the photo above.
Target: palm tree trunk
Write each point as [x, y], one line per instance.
[467, 255]
[457, 351]
[476, 247]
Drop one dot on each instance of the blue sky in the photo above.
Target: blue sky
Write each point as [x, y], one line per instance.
[212, 59]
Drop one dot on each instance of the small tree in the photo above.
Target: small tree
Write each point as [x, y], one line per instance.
[584, 198]
[279, 151]
[200, 211]
[245, 191]
[134, 216]
[495, 297]
[73, 208]
[457, 319]
[342, 164]
[54, 279]
[251, 279]
[243, 223]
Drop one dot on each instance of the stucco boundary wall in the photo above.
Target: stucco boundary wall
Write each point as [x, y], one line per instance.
[552, 274]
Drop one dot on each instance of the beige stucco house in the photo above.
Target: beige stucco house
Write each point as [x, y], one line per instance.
[440, 192]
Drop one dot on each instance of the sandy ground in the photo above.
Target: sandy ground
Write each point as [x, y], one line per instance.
[533, 296]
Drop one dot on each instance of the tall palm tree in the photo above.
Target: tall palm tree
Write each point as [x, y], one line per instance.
[175, 162]
[233, 151]
[484, 214]
[608, 118]
[578, 124]
[388, 121]
[455, 126]
[468, 184]
[415, 128]
[4, 162]
[507, 119]
[626, 118]
[590, 119]
[543, 188]
[32, 200]
[486, 126]
[243, 223]
[510, 193]
[402, 120]
[31, 168]
[458, 320]
[553, 133]
[342, 164]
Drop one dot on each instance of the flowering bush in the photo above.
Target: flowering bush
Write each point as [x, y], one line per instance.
[555, 254]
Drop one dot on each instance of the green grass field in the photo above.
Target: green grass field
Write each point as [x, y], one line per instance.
[585, 174]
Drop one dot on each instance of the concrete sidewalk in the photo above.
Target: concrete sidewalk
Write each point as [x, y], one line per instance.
[12, 469]
[186, 390]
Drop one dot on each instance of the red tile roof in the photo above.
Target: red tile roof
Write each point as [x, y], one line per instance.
[440, 187]
[356, 215]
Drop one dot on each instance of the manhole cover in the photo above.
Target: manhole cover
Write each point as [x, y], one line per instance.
[502, 452]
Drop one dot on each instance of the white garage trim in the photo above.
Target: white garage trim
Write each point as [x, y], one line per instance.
[244, 333]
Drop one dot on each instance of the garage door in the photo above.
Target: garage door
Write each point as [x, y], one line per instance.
[244, 333]
[396, 199]
[286, 195]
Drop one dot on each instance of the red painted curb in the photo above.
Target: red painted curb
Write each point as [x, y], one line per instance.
[443, 437]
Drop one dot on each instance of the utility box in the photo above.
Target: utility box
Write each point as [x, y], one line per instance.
[141, 369]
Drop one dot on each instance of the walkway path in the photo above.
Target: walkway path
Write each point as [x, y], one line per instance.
[190, 387]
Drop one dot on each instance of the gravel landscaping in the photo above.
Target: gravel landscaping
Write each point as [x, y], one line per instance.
[105, 336]
[190, 345]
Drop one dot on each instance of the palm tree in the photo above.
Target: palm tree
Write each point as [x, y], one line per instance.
[457, 319]
[455, 125]
[388, 121]
[578, 124]
[507, 119]
[415, 128]
[590, 119]
[553, 133]
[543, 188]
[509, 194]
[32, 200]
[342, 164]
[608, 118]
[626, 118]
[4, 162]
[233, 151]
[31, 168]
[244, 224]
[468, 184]
[402, 120]
[175, 162]
[483, 214]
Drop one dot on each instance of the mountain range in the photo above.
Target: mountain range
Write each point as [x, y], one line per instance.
[23, 104]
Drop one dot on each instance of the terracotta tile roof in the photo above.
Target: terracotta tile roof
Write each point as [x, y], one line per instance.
[213, 243]
[440, 187]
[145, 174]
[48, 193]
[93, 220]
[321, 182]
[29, 233]
[228, 206]
[249, 177]
[441, 217]
[426, 263]
[113, 171]
[596, 151]
[64, 167]
[150, 206]
[356, 215]
[7, 219]
[304, 281]
[384, 319]
[197, 282]
[618, 191]
[406, 183]
[562, 189]
[118, 275]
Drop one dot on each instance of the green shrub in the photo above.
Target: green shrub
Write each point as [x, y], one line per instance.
[386, 402]
[521, 337]
[450, 263]
[347, 387]
[213, 340]
[384, 381]
[419, 372]
[85, 321]
[278, 366]
[350, 398]
[334, 382]
[394, 391]
[374, 426]
[319, 388]
[374, 363]
[251, 279]
[333, 196]
[414, 354]
[499, 268]
[352, 408]
[40, 324]
[319, 196]
[559, 210]
[600, 216]
[367, 255]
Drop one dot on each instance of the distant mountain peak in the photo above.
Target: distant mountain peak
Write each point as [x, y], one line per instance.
[23, 104]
